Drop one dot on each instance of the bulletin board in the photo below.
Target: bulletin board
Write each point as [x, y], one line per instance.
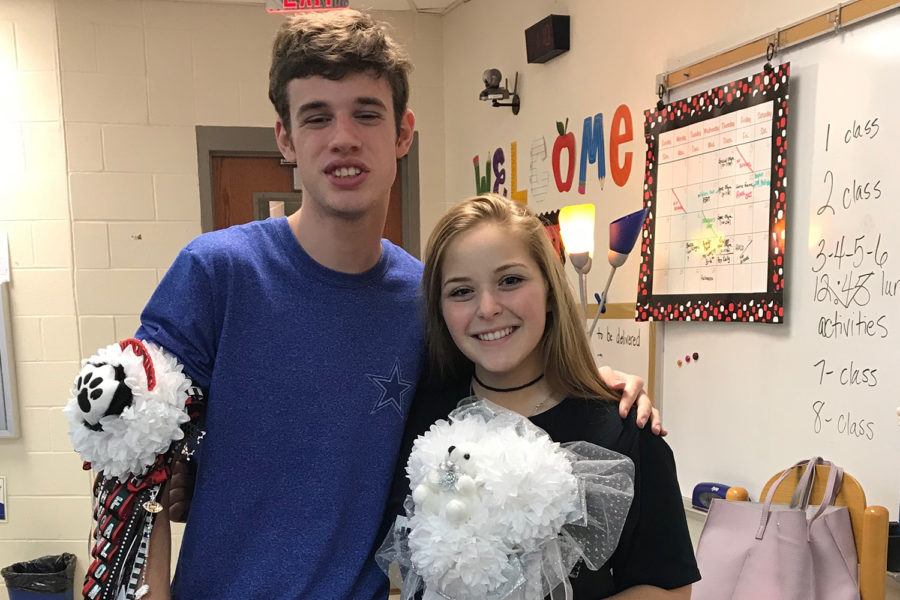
[825, 381]
[7, 374]
[625, 344]
[7, 371]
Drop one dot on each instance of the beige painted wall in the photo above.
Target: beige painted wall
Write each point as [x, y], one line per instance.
[618, 48]
[99, 190]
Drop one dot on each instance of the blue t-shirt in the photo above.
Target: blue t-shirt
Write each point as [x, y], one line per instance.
[310, 374]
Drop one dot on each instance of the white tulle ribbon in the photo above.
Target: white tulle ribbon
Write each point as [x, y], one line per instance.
[499, 511]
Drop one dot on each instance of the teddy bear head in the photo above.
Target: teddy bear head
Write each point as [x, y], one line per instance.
[464, 457]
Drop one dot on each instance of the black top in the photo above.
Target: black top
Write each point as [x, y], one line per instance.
[655, 547]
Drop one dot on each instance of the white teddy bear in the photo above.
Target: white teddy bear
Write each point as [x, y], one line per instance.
[450, 487]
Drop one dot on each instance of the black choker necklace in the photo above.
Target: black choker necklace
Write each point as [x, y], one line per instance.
[512, 389]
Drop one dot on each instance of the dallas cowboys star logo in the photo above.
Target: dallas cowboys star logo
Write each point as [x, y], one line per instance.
[392, 389]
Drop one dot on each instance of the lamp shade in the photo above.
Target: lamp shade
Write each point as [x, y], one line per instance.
[576, 225]
[624, 231]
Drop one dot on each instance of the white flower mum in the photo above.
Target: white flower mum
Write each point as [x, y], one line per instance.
[129, 443]
[526, 492]
[500, 511]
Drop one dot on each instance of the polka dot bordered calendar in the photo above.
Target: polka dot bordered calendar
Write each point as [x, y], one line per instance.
[712, 247]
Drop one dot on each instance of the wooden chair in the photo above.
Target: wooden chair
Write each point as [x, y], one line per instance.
[870, 525]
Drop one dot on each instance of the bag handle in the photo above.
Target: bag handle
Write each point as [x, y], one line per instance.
[804, 485]
[835, 479]
[803, 491]
[807, 482]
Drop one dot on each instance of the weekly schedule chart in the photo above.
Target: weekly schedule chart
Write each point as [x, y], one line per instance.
[713, 210]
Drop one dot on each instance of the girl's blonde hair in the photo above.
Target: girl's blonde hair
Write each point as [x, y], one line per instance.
[568, 363]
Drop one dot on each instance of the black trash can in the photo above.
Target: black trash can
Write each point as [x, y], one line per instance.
[44, 578]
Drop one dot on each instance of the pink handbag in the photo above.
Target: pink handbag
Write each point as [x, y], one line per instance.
[753, 550]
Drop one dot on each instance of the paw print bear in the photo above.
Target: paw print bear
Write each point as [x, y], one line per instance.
[101, 391]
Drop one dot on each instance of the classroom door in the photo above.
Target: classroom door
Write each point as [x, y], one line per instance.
[236, 178]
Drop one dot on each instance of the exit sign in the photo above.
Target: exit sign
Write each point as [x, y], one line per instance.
[296, 6]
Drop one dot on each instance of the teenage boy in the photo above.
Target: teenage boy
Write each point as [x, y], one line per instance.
[306, 333]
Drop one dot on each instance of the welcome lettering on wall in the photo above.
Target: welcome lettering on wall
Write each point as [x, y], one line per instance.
[565, 148]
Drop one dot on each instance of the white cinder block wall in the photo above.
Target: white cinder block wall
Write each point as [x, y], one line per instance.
[47, 491]
[99, 190]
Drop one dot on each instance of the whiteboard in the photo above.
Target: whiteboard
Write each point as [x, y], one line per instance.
[826, 382]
